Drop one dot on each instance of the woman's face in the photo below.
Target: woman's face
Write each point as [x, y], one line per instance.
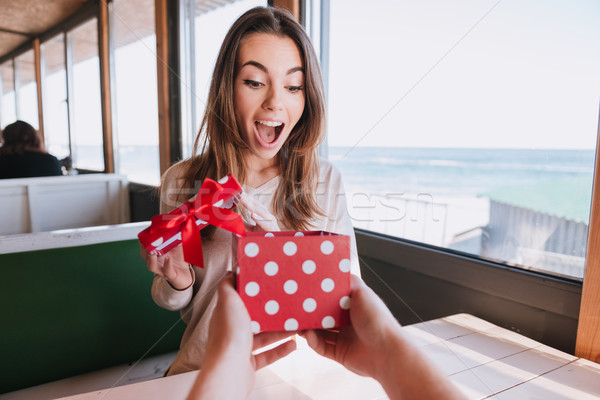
[268, 92]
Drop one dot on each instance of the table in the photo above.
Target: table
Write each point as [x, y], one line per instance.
[481, 359]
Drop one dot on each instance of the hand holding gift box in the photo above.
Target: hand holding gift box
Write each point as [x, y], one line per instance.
[212, 206]
[294, 280]
[287, 280]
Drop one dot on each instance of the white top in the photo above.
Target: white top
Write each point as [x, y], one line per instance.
[197, 302]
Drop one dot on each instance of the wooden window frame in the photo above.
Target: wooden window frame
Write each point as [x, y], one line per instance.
[588, 330]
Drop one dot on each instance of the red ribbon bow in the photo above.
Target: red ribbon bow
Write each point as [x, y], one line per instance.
[203, 208]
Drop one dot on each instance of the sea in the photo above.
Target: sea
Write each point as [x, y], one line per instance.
[557, 182]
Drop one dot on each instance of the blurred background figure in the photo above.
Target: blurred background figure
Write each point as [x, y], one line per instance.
[67, 166]
[22, 154]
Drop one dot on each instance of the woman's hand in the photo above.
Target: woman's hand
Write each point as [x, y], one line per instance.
[261, 218]
[170, 267]
[361, 346]
[374, 345]
[229, 366]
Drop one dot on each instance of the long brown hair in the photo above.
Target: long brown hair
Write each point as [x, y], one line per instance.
[222, 146]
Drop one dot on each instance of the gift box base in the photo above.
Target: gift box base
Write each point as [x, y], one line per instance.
[293, 281]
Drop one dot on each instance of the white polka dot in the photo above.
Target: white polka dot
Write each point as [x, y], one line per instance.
[254, 327]
[327, 285]
[328, 322]
[327, 247]
[269, 234]
[309, 267]
[290, 287]
[223, 179]
[157, 242]
[345, 265]
[272, 307]
[252, 289]
[271, 268]
[345, 303]
[237, 270]
[251, 249]
[290, 248]
[309, 305]
[291, 325]
[297, 234]
[219, 203]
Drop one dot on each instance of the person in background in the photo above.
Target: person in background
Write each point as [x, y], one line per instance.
[22, 154]
[373, 345]
[264, 121]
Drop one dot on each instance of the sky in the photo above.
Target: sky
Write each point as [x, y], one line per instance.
[465, 73]
[429, 73]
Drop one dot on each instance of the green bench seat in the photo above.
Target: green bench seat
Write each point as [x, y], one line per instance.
[71, 310]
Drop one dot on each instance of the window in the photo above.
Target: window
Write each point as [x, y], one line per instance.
[18, 90]
[135, 109]
[469, 126]
[204, 27]
[27, 104]
[54, 95]
[84, 97]
[8, 111]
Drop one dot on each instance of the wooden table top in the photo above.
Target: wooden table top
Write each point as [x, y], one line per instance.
[482, 359]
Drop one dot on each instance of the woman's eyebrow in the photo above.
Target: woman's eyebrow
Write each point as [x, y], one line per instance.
[295, 69]
[264, 69]
[256, 64]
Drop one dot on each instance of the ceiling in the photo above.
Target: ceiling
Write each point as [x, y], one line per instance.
[21, 20]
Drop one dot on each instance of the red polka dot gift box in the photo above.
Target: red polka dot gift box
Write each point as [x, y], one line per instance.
[293, 281]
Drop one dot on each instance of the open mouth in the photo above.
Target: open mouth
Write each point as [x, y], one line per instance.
[268, 131]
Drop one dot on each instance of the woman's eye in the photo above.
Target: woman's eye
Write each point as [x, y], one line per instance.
[252, 84]
[295, 89]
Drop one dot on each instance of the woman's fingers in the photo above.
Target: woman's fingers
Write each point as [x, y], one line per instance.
[259, 214]
[266, 338]
[270, 356]
[168, 269]
[144, 253]
[171, 267]
[321, 342]
[265, 223]
[152, 264]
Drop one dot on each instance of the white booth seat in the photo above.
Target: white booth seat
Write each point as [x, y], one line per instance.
[29, 205]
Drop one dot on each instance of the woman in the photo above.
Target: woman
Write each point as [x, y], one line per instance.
[22, 154]
[264, 120]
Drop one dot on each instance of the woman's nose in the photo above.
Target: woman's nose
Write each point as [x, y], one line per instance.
[273, 100]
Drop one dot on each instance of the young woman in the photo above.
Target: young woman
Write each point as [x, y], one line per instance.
[264, 120]
[22, 154]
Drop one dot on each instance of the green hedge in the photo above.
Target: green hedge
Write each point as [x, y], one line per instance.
[73, 310]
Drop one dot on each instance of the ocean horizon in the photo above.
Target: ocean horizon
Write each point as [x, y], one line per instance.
[557, 182]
